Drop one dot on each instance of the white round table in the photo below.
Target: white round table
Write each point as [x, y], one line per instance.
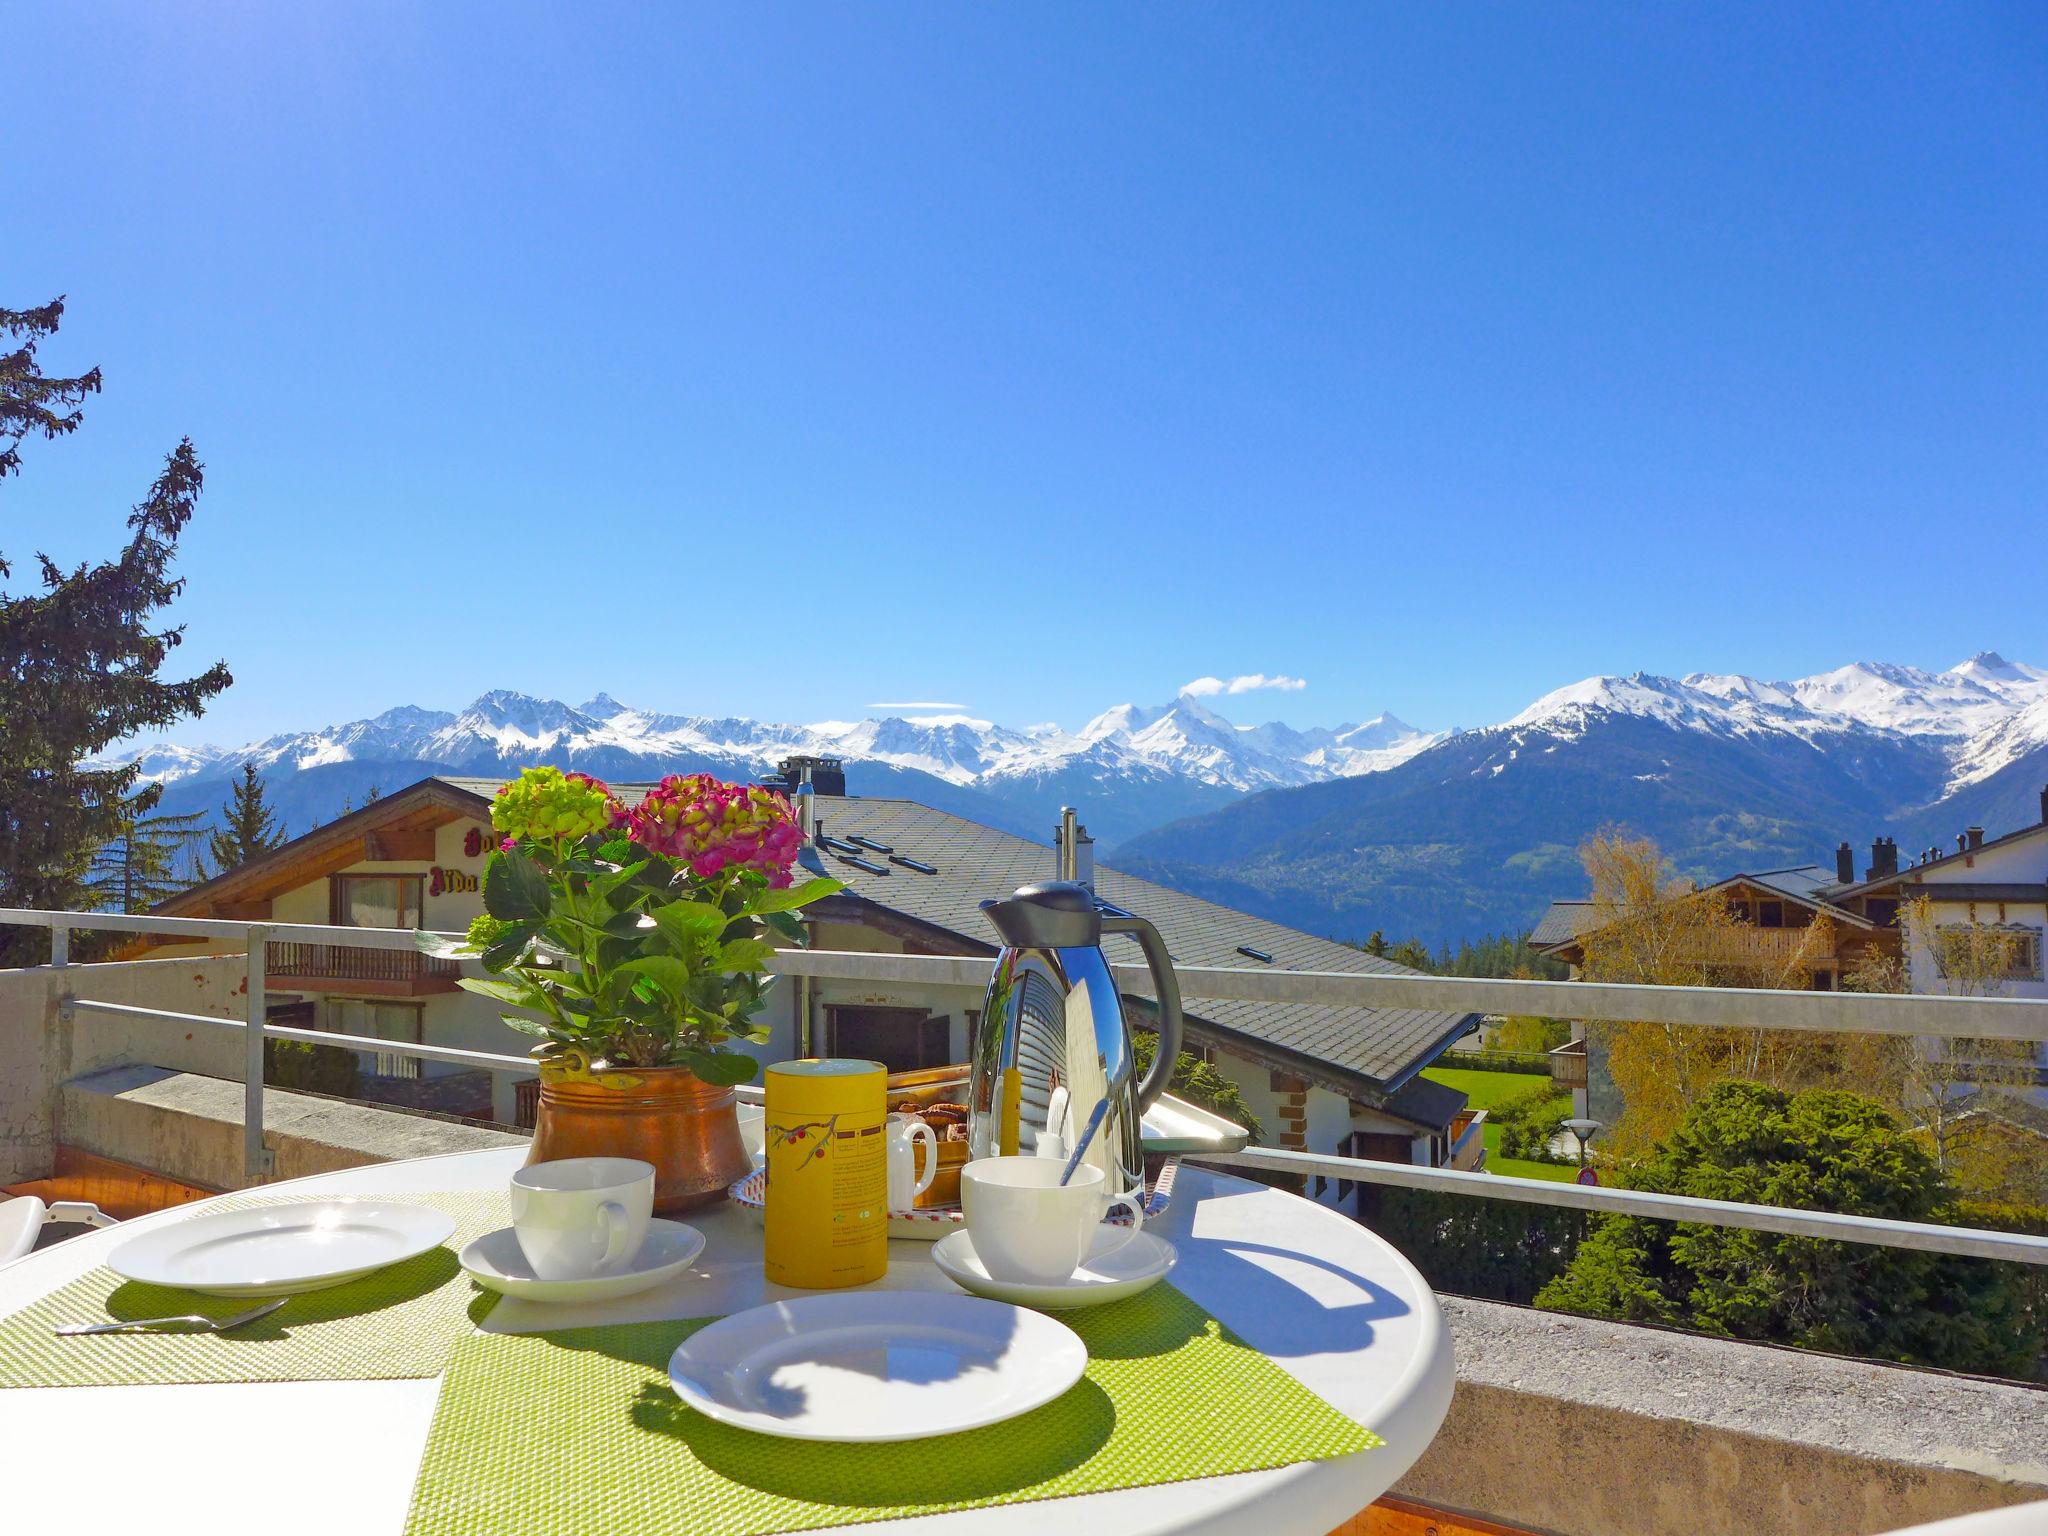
[1326, 1299]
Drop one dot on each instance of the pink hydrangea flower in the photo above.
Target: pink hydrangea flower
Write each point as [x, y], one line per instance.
[713, 826]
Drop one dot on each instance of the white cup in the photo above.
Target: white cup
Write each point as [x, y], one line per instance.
[582, 1216]
[1028, 1227]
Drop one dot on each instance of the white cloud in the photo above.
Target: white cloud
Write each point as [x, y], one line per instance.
[917, 704]
[1250, 682]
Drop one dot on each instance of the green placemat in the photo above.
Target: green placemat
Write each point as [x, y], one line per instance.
[578, 1431]
[397, 1322]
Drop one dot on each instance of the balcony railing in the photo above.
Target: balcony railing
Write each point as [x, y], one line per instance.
[396, 970]
[1568, 1065]
[1468, 1141]
[1948, 1018]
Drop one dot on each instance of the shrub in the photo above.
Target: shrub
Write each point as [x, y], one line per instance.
[1818, 1150]
[328, 1069]
[1529, 1120]
[1498, 1250]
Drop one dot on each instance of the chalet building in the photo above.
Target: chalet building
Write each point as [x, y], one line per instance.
[2000, 883]
[1327, 1079]
[1790, 925]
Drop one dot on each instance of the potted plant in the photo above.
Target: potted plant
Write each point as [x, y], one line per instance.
[635, 943]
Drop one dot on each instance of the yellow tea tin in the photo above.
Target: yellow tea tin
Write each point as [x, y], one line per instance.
[828, 1181]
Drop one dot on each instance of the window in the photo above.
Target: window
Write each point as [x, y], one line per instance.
[1987, 952]
[379, 1020]
[901, 1039]
[1770, 914]
[375, 901]
[1883, 912]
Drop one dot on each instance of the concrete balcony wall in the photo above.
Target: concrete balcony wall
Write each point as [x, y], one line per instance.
[188, 1127]
[40, 1050]
[1590, 1428]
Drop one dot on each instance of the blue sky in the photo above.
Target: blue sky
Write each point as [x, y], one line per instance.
[784, 360]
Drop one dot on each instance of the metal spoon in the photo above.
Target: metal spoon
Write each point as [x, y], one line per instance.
[187, 1324]
[1087, 1135]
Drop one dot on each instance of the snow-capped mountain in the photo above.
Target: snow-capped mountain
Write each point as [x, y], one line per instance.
[1967, 704]
[1445, 833]
[1133, 766]
[1475, 833]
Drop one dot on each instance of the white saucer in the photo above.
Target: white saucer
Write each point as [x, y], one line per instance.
[1139, 1264]
[875, 1365]
[281, 1250]
[496, 1263]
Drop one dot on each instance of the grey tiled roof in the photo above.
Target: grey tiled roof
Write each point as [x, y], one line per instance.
[1563, 922]
[1373, 1049]
[1427, 1103]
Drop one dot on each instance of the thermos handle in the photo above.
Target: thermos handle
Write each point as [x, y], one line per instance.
[1168, 988]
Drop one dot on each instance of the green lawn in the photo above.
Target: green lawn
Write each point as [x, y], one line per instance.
[1483, 1090]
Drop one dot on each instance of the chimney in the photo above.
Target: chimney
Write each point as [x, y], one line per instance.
[1962, 843]
[1845, 865]
[1884, 858]
[826, 775]
[1975, 835]
[2044, 805]
[1073, 850]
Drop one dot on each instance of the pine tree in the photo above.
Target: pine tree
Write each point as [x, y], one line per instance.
[154, 858]
[79, 660]
[248, 827]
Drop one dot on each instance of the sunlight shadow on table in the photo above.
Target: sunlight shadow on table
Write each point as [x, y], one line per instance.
[1286, 1303]
[980, 1463]
[390, 1287]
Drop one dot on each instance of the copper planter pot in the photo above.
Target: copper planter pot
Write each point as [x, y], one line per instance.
[689, 1129]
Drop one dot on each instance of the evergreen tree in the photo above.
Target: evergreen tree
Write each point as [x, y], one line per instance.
[79, 660]
[154, 858]
[29, 401]
[248, 827]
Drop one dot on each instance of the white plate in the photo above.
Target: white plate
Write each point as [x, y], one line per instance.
[497, 1263]
[281, 1250]
[927, 1224]
[1139, 1264]
[876, 1365]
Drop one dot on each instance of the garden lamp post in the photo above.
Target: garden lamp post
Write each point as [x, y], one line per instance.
[1584, 1131]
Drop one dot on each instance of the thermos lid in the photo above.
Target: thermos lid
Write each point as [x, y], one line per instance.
[1054, 914]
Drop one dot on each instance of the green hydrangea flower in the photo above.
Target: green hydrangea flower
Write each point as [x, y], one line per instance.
[485, 930]
[544, 804]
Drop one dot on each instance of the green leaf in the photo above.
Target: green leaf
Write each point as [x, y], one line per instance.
[518, 994]
[526, 1026]
[665, 971]
[791, 897]
[788, 927]
[743, 957]
[440, 948]
[508, 946]
[722, 1068]
[515, 888]
[689, 922]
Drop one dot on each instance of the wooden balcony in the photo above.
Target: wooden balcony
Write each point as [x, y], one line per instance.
[1568, 1066]
[360, 972]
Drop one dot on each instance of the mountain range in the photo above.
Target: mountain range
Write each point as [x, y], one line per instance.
[1130, 767]
[1339, 830]
[1480, 831]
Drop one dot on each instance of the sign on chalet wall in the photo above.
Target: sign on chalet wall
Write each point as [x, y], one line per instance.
[440, 878]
